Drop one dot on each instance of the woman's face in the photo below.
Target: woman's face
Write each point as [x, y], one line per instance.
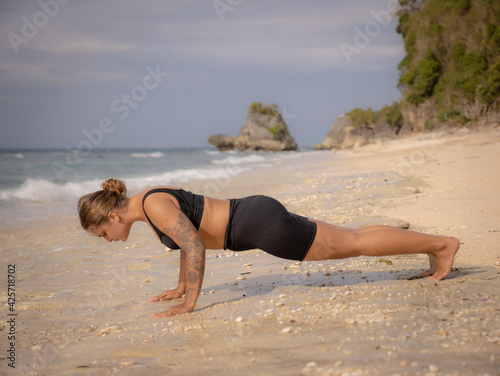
[113, 230]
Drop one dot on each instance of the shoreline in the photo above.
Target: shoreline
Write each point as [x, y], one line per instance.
[82, 303]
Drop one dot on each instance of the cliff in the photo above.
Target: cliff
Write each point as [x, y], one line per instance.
[360, 127]
[450, 76]
[264, 129]
[451, 72]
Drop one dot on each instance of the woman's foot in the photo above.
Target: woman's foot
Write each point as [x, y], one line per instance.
[442, 262]
[432, 267]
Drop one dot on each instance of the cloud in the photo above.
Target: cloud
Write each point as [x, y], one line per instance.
[82, 44]
[302, 35]
[92, 51]
[89, 40]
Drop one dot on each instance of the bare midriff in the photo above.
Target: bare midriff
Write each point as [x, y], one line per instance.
[214, 222]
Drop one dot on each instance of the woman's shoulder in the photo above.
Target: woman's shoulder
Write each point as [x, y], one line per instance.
[158, 188]
[149, 193]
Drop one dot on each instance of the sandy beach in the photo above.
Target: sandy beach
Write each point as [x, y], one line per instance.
[82, 304]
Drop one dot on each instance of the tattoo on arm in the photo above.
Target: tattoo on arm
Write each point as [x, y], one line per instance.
[182, 273]
[184, 234]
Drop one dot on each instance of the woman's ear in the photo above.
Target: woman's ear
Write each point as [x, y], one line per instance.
[113, 217]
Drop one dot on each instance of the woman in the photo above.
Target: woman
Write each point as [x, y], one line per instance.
[194, 223]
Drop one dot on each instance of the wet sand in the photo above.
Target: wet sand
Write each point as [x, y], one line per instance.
[82, 304]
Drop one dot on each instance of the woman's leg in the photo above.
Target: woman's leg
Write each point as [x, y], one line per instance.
[333, 242]
[432, 259]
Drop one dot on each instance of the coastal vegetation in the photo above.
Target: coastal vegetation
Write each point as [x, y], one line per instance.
[279, 127]
[390, 114]
[452, 62]
[271, 110]
[452, 54]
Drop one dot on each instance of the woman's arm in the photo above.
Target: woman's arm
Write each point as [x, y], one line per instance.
[186, 236]
[177, 226]
[181, 286]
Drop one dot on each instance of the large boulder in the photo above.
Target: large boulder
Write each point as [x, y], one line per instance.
[264, 129]
[357, 136]
[222, 142]
[336, 135]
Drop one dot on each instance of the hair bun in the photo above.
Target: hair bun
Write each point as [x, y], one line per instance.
[116, 186]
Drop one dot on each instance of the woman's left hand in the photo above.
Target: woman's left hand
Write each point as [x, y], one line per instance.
[175, 310]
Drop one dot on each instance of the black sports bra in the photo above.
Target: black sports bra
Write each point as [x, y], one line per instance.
[191, 205]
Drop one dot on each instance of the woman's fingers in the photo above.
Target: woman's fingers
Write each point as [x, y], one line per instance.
[166, 295]
[156, 298]
[176, 310]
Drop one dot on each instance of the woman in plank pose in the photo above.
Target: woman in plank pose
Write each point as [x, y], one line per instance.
[193, 223]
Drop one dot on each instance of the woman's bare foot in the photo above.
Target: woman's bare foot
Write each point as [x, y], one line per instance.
[442, 262]
[433, 266]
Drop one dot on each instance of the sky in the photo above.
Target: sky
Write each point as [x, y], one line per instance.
[168, 73]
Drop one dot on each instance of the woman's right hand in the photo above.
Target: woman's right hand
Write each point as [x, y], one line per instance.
[167, 295]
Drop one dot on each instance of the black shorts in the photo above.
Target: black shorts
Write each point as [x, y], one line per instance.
[264, 223]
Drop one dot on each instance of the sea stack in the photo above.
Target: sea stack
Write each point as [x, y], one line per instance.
[263, 130]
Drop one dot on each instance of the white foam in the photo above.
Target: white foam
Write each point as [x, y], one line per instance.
[156, 154]
[178, 177]
[15, 155]
[41, 190]
[239, 160]
[212, 152]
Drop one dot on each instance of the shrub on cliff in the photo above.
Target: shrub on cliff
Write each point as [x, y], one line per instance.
[452, 53]
[390, 114]
[421, 79]
[270, 110]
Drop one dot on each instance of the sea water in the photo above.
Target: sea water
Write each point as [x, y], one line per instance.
[40, 184]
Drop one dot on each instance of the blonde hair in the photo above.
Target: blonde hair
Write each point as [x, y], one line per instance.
[94, 207]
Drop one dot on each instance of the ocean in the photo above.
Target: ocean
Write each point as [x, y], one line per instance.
[40, 184]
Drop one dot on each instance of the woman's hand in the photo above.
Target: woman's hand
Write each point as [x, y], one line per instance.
[167, 295]
[175, 310]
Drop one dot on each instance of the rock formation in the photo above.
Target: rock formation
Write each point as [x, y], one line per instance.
[264, 129]
[344, 134]
[415, 117]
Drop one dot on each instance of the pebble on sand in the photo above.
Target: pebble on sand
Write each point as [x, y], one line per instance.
[109, 330]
